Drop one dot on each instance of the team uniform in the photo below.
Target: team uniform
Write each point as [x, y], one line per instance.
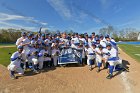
[47, 61]
[100, 55]
[113, 60]
[15, 65]
[55, 54]
[33, 58]
[90, 56]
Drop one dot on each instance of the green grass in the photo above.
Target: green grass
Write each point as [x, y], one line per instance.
[5, 56]
[6, 44]
[131, 50]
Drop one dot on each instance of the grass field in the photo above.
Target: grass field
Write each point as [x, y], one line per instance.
[131, 50]
[5, 56]
[6, 44]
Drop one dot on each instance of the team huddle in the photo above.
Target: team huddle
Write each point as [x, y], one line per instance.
[39, 51]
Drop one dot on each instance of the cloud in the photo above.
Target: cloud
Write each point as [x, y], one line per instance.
[60, 7]
[9, 17]
[5, 18]
[6, 25]
[66, 12]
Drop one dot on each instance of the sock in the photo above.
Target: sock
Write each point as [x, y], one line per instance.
[35, 67]
[91, 62]
[99, 65]
[111, 69]
[12, 73]
[30, 65]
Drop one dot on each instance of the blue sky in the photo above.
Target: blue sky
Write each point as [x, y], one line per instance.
[77, 15]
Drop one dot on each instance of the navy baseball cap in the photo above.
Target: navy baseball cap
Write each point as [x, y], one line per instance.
[86, 44]
[100, 46]
[30, 34]
[20, 47]
[93, 44]
[107, 36]
[93, 33]
[97, 39]
[23, 33]
[108, 44]
[89, 36]
[43, 35]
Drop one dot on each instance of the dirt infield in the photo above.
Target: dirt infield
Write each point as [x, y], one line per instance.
[7, 46]
[73, 80]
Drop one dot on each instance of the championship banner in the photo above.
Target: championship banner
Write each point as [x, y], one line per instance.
[70, 55]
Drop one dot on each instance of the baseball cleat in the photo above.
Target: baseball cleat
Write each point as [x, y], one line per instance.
[13, 77]
[90, 69]
[98, 70]
[35, 71]
[109, 76]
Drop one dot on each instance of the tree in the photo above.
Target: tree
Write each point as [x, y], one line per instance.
[106, 30]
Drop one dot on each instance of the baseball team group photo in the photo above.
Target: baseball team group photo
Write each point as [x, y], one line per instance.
[69, 46]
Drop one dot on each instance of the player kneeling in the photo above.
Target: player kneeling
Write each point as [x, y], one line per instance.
[15, 65]
[115, 64]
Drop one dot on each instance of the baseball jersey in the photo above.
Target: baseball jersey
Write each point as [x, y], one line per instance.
[15, 59]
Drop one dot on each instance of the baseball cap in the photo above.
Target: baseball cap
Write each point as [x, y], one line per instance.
[30, 34]
[23, 33]
[20, 47]
[100, 46]
[43, 35]
[107, 36]
[86, 44]
[108, 44]
[93, 44]
[93, 33]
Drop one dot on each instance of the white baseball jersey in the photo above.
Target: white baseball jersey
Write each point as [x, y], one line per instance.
[89, 50]
[83, 40]
[14, 59]
[112, 52]
[64, 40]
[76, 40]
[19, 40]
[47, 52]
[54, 51]
[24, 41]
[103, 43]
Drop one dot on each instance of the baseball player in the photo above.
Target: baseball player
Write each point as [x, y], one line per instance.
[33, 57]
[113, 60]
[90, 56]
[94, 48]
[100, 56]
[111, 41]
[46, 57]
[55, 54]
[15, 65]
[25, 42]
